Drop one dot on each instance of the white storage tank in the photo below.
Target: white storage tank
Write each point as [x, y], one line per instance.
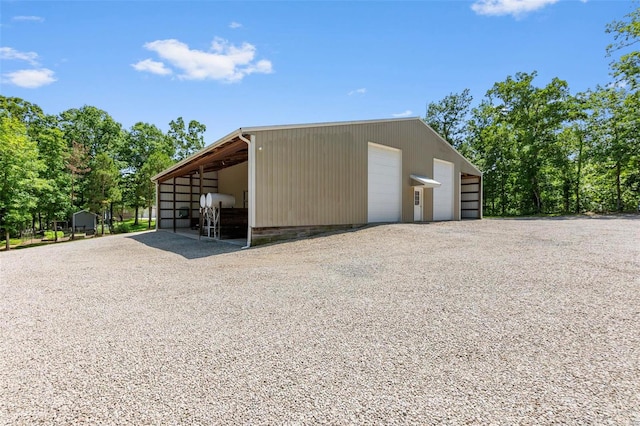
[214, 199]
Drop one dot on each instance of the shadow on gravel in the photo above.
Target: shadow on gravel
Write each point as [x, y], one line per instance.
[186, 247]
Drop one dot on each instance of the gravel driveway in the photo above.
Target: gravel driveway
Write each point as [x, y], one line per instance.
[493, 321]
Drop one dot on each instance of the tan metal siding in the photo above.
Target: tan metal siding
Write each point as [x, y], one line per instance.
[318, 175]
[234, 180]
[310, 177]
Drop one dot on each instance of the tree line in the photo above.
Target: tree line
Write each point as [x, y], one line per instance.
[545, 150]
[54, 165]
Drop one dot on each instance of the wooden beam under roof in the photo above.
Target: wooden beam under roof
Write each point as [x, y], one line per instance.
[231, 153]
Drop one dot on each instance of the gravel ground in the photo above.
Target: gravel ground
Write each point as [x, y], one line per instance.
[480, 322]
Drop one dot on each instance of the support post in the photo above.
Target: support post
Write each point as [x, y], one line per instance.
[219, 219]
[190, 198]
[158, 202]
[201, 175]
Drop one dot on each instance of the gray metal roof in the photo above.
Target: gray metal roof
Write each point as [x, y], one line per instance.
[325, 124]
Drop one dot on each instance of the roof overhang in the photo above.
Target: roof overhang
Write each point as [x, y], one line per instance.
[225, 152]
[425, 181]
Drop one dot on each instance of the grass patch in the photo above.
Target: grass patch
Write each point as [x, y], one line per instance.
[143, 225]
[51, 235]
[127, 226]
[12, 241]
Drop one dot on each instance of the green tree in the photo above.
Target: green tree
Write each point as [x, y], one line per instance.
[157, 162]
[626, 33]
[534, 116]
[449, 116]
[19, 168]
[576, 139]
[99, 133]
[186, 140]
[78, 165]
[570, 166]
[142, 141]
[102, 188]
[492, 147]
[93, 128]
[23, 111]
[43, 130]
[615, 148]
[53, 199]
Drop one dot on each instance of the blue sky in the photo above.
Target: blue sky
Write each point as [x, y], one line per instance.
[239, 64]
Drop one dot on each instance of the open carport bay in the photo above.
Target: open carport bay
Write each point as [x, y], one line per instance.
[493, 321]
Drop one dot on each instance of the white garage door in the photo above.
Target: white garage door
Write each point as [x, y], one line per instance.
[384, 195]
[443, 195]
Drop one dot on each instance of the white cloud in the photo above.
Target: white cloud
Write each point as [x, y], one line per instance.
[360, 91]
[9, 53]
[224, 61]
[235, 25]
[407, 113]
[30, 79]
[28, 18]
[152, 66]
[515, 8]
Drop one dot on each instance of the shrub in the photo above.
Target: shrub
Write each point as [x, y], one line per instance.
[121, 228]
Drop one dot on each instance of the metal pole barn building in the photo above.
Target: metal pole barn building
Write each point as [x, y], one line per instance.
[295, 180]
